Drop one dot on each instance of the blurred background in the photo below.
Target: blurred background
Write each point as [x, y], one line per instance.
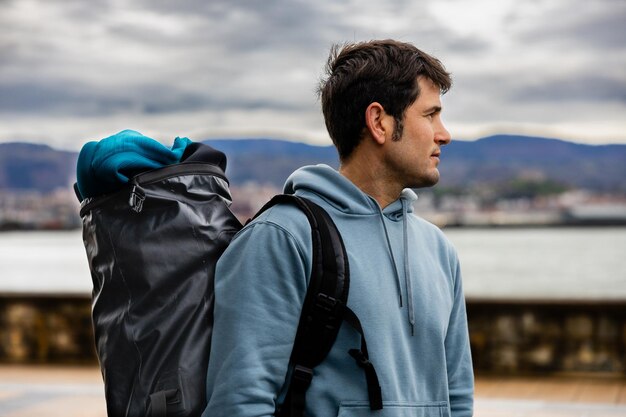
[533, 188]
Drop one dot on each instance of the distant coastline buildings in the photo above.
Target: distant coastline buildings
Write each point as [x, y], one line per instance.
[497, 181]
[58, 210]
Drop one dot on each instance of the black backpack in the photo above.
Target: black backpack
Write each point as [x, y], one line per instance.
[152, 247]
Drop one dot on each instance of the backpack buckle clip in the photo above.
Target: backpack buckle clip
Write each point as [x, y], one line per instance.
[137, 197]
[326, 302]
[303, 375]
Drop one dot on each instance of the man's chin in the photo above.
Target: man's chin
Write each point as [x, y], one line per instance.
[427, 180]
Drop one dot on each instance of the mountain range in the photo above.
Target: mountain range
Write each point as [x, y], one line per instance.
[488, 161]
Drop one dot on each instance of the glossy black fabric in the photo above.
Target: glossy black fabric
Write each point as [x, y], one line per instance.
[152, 267]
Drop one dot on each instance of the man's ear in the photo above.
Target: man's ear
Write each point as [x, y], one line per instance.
[379, 124]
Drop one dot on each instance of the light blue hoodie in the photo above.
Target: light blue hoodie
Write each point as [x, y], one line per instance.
[405, 286]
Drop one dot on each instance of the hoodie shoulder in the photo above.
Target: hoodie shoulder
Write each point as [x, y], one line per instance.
[290, 219]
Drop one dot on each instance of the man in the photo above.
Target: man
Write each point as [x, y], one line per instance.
[382, 107]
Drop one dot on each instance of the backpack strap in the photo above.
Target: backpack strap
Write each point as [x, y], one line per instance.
[324, 309]
[158, 402]
[362, 358]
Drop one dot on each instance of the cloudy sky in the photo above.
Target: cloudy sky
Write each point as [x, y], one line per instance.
[75, 70]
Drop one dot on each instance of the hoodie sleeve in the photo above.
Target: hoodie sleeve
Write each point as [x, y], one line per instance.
[260, 285]
[458, 355]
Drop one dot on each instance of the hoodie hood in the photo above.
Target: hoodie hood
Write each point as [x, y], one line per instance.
[342, 194]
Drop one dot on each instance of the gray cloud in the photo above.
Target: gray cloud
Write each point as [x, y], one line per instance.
[596, 24]
[467, 45]
[243, 27]
[256, 64]
[57, 99]
[590, 88]
[80, 100]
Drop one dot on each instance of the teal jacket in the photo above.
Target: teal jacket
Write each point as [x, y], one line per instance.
[105, 166]
[405, 287]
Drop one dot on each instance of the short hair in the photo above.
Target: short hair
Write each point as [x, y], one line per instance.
[383, 71]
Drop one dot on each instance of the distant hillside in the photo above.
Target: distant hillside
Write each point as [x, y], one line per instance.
[503, 157]
[488, 161]
[270, 161]
[491, 160]
[27, 166]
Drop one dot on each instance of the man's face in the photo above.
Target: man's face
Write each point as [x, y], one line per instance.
[413, 160]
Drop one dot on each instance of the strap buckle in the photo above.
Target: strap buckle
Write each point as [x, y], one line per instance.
[137, 197]
[303, 375]
[326, 302]
[360, 358]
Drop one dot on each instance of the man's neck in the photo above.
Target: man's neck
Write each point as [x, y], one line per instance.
[369, 176]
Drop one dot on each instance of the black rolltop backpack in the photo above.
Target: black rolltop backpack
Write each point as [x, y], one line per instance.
[152, 248]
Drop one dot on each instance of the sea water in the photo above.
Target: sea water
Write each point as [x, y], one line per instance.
[538, 263]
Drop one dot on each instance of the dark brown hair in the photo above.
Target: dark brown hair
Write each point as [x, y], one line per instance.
[383, 71]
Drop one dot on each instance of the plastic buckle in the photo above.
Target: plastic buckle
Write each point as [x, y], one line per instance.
[137, 197]
[360, 358]
[303, 375]
[326, 302]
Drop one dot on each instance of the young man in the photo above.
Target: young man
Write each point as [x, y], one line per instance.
[381, 102]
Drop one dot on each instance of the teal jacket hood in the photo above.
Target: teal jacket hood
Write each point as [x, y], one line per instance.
[105, 166]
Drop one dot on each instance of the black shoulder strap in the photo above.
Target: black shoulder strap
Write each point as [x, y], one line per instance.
[327, 294]
[324, 309]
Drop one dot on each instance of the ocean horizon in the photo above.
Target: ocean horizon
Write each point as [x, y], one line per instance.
[585, 263]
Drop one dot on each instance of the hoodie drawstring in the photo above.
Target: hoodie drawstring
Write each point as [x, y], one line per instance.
[393, 260]
[407, 270]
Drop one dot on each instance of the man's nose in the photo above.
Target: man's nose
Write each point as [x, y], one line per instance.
[442, 136]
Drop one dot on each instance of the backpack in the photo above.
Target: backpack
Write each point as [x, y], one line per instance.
[152, 247]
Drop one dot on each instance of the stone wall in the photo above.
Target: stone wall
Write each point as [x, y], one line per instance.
[44, 329]
[506, 336]
[541, 337]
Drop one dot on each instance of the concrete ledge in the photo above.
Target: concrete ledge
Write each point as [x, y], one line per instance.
[547, 336]
[507, 336]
